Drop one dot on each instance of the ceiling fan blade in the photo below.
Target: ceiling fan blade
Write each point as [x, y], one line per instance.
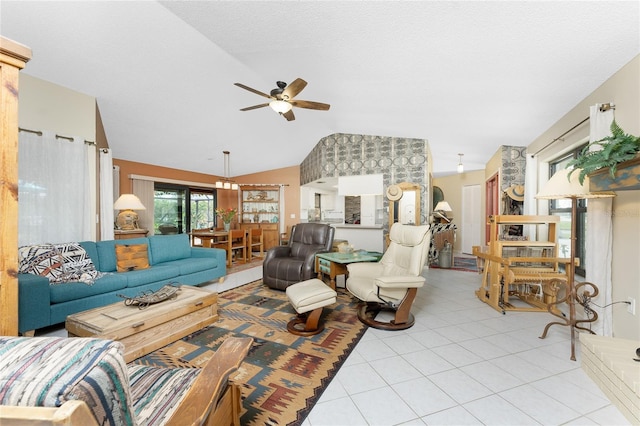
[257, 92]
[254, 107]
[289, 115]
[294, 88]
[310, 105]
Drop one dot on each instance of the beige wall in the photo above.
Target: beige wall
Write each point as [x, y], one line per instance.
[47, 106]
[622, 89]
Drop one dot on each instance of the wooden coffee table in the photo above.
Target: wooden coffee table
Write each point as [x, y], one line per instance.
[144, 330]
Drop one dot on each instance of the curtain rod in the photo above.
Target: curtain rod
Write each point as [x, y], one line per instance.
[39, 133]
[603, 108]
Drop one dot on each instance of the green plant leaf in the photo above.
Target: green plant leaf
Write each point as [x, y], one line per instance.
[614, 149]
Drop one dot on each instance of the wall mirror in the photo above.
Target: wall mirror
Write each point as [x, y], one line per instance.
[405, 209]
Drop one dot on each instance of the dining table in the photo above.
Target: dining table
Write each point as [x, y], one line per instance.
[207, 237]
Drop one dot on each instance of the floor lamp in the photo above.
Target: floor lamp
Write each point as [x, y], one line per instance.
[563, 186]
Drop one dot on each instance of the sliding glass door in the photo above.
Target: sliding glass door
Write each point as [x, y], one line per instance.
[179, 209]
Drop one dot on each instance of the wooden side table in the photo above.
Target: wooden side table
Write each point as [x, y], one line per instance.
[334, 264]
[133, 233]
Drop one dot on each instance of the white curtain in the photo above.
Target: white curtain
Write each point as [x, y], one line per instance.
[144, 190]
[530, 205]
[106, 195]
[54, 189]
[600, 234]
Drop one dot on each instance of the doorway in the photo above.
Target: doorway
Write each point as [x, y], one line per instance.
[471, 219]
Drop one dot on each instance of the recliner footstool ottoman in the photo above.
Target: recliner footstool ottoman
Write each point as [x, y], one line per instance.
[308, 298]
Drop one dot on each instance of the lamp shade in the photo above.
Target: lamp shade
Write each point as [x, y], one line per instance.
[561, 186]
[443, 206]
[128, 202]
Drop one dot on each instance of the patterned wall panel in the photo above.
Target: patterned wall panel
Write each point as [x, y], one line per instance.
[397, 159]
[514, 161]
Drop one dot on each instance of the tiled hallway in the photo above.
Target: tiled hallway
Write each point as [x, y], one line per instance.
[463, 363]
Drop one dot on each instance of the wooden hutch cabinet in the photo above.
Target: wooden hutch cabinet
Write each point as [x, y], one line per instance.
[260, 208]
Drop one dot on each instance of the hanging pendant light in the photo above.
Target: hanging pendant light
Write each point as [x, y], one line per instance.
[460, 167]
[226, 182]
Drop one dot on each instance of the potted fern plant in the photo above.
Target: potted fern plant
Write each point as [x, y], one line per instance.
[615, 149]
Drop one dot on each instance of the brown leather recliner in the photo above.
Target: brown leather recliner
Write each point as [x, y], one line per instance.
[295, 262]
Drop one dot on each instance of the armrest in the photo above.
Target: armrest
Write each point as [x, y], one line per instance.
[69, 413]
[34, 300]
[205, 252]
[408, 281]
[202, 397]
[277, 251]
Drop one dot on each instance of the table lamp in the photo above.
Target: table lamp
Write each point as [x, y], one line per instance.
[127, 219]
[441, 208]
[565, 185]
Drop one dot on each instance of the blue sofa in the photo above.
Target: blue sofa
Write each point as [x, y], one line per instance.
[171, 260]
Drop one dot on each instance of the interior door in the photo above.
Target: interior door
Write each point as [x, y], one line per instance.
[471, 224]
[493, 203]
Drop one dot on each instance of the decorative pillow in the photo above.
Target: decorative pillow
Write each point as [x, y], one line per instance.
[41, 259]
[78, 266]
[131, 257]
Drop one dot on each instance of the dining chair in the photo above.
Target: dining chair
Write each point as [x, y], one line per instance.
[255, 239]
[237, 242]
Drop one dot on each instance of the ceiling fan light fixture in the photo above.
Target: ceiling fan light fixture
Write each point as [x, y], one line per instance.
[281, 107]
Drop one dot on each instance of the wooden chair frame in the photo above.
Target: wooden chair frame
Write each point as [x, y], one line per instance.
[211, 400]
[255, 238]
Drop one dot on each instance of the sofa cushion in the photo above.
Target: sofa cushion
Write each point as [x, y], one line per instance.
[92, 251]
[191, 265]
[107, 252]
[41, 259]
[165, 248]
[77, 290]
[78, 266]
[147, 276]
[132, 257]
[48, 371]
[157, 392]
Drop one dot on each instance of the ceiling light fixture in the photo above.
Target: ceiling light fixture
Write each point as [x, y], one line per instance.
[460, 166]
[226, 182]
[280, 106]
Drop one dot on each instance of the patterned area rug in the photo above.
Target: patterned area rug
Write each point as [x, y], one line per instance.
[460, 264]
[284, 375]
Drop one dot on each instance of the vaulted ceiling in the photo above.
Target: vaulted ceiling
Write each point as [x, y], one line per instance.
[467, 76]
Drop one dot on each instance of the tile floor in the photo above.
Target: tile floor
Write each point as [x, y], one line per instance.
[462, 363]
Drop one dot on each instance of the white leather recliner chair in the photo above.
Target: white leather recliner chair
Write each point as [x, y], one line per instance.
[393, 282]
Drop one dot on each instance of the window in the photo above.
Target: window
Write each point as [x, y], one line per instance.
[562, 208]
[179, 209]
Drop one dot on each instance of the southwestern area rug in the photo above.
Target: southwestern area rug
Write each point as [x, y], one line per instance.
[283, 375]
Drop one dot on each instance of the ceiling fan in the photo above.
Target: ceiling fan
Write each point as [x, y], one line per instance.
[282, 98]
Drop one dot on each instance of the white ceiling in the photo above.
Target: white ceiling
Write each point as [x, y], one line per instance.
[467, 76]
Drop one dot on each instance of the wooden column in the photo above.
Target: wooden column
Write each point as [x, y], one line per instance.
[13, 57]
